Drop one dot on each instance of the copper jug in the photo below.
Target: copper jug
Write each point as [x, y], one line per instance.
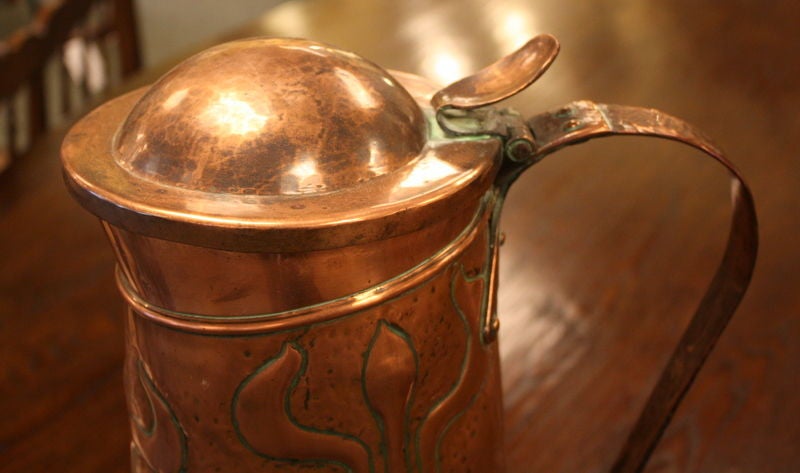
[308, 245]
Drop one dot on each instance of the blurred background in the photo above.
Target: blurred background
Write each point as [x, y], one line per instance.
[171, 27]
[166, 27]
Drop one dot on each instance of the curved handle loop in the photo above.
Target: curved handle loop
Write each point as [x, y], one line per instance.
[584, 120]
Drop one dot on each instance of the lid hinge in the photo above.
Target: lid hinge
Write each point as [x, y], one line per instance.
[462, 107]
[519, 144]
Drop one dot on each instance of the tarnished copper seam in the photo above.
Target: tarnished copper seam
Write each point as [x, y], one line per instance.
[325, 311]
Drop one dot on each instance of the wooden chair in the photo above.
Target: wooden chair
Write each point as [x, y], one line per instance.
[26, 89]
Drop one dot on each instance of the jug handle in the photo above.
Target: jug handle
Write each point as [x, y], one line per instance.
[584, 120]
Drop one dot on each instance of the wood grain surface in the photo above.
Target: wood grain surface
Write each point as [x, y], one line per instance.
[610, 244]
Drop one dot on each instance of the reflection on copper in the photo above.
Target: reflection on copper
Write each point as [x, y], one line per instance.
[302, 178]
[172, 101]
[233, 116]
[377, 159]
[316, 50]
[357, 89]
[428, 169]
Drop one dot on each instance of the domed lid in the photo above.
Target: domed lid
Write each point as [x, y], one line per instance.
[284, 145]
[271, 117]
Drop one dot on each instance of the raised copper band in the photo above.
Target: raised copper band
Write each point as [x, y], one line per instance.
[584, 120]
[325, 311]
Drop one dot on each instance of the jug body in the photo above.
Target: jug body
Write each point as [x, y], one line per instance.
[364, 358]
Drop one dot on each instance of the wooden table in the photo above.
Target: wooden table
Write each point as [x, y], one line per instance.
[609, 246]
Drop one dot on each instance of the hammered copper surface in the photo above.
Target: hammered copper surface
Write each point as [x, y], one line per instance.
[238, 283]
[271, 117]
[405, 384]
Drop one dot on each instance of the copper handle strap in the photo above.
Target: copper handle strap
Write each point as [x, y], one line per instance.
[581, 121]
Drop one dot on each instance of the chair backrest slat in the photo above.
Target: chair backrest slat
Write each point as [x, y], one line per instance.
[25, 53]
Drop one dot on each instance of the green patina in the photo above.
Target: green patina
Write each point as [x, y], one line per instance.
[289, 415]
[407, 415]
[151, 390]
